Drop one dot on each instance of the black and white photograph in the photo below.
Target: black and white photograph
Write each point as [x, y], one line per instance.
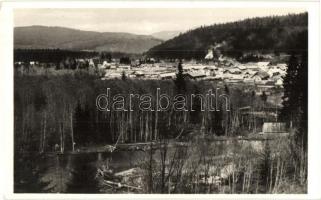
[154, 100]
[160, 101]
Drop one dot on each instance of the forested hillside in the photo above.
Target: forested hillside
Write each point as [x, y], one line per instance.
[43, 37]
[263, 35]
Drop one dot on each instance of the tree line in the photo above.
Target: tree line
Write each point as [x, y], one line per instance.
[265, 35]
[58, 55]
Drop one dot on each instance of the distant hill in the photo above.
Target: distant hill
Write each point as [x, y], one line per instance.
[166, 35]
[267, 34]
[43, 37]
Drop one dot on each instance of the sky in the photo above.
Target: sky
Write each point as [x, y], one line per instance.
[143, 21]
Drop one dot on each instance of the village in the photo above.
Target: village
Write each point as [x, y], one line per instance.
[229, 71]
[264, 74]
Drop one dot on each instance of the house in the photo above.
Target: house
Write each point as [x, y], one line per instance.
[274, 72]
[210, 70]
[209, 55]
[151, 75]
[135, 62]
[279, 82]
[195, 75]
[113, 66]
[269, 83]
[274, 129]
[169, 75]
[210, 78]
[262, 87]
[249, 73]
[197, 67]
[282, 66]
[187, 68]
[263, 64]
[260, 75]
[131, 75]
[124, 67]
[91, 63]
[113, 75]
[105, 65]
[211, 67]
[152, 60]
[248, 81]
[241, 67]
[80, 60]
[233, 71]
[139, 74]
[252, 66]
[218, 77]
[235, 78]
